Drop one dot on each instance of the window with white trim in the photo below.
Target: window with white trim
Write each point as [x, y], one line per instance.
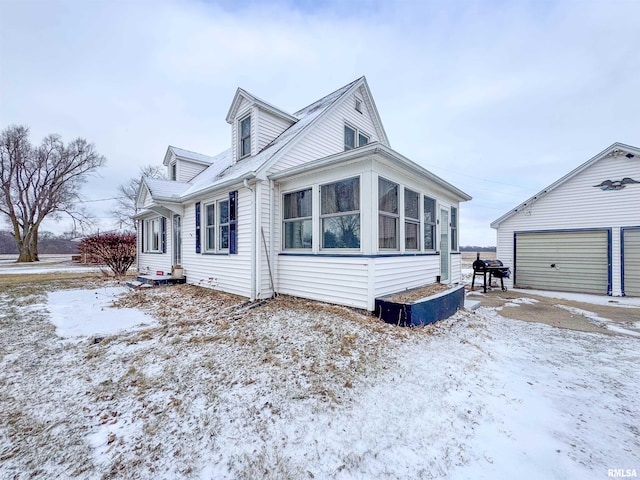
[454, 229]
[340, 214]
[429, 223]
[297, 219]
[244, 137]
[174, 171]
[223, 225]
[152, 235]
[210, 227]
[411, 220]
[388, 217]
[354, 138]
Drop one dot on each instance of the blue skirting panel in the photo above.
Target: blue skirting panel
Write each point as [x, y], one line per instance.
[422, 312]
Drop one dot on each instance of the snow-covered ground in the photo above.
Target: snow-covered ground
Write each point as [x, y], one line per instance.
[47, 264]
[295, 389]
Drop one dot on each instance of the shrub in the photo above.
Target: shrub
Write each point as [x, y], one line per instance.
[115, 250]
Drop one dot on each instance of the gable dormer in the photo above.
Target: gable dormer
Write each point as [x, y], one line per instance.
[183, 165]
[254, 124]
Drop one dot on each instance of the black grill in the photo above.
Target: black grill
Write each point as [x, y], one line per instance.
[494, 268]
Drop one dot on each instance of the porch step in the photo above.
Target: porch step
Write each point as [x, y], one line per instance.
[471, 304]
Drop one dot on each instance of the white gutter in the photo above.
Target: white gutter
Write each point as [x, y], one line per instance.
[253, 238]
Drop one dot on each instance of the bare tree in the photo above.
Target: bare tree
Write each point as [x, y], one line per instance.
[126, 202]
[39, 182]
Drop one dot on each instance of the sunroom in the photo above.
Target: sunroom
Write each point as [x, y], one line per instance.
[363, 224]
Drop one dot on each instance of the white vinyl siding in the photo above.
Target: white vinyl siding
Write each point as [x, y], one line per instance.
[150, 263]
[395, 274]
[631, 240]
[341, 280]
[187, 170]
[574, 261]
[577, 204]
[327, 136]
[229, 273]
[269, 127]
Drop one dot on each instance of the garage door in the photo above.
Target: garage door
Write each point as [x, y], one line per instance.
[567, 261]
[631, 245]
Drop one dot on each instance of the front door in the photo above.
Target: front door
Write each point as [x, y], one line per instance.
[444, 246]
[177, 240]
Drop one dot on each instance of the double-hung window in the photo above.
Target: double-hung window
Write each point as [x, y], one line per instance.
[223, 225]
[216, 227]
[388, 217]
[297, 221]
[153, 235]
[454, 229]
[210, 227]
[354, 138]
[244, 135]
[340, 214]
[411, 220]
[429, 223]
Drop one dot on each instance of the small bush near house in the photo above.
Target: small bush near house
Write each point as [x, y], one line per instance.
[115, 250]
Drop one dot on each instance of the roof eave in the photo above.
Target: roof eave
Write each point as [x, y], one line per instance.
[617, 145]
[220, 186]
[372, 149]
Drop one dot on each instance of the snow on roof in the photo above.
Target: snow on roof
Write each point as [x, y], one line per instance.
[189, 155]
[222, 169]
[165, 188]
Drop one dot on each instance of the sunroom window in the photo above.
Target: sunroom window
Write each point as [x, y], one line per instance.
[297, 224]
[340, 214]
[429, 223]
[387, 214]
[411, 220]
[245, 137]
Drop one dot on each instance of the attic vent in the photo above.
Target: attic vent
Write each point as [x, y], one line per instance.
[358, 105]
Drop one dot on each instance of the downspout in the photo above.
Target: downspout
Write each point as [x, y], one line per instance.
[272, 233]
[253, 238]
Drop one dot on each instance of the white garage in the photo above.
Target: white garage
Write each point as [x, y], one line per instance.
[570, 261]
[581, 233]
[631, 261]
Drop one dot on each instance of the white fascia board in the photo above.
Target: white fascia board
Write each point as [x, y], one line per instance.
[619, 146]
[375, 115]
[168, 156]
[260, 103]
[367, 151]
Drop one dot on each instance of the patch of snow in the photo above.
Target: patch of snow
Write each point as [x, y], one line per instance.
[600, 321]
[81, 313]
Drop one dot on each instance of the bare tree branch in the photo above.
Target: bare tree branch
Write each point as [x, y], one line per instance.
[39, 182]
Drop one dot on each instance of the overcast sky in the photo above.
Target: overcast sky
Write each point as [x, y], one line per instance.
[500, 98]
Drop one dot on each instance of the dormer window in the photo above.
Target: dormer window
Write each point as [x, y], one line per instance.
[174, 171]
[245, 137]
[354, 138]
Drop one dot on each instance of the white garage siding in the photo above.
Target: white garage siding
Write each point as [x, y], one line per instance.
[631, 261]
[570, 261]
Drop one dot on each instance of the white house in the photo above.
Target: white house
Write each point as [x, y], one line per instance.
[313, 204]
[581, 233]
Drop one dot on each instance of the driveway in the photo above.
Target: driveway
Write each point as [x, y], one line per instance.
[607, 315]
